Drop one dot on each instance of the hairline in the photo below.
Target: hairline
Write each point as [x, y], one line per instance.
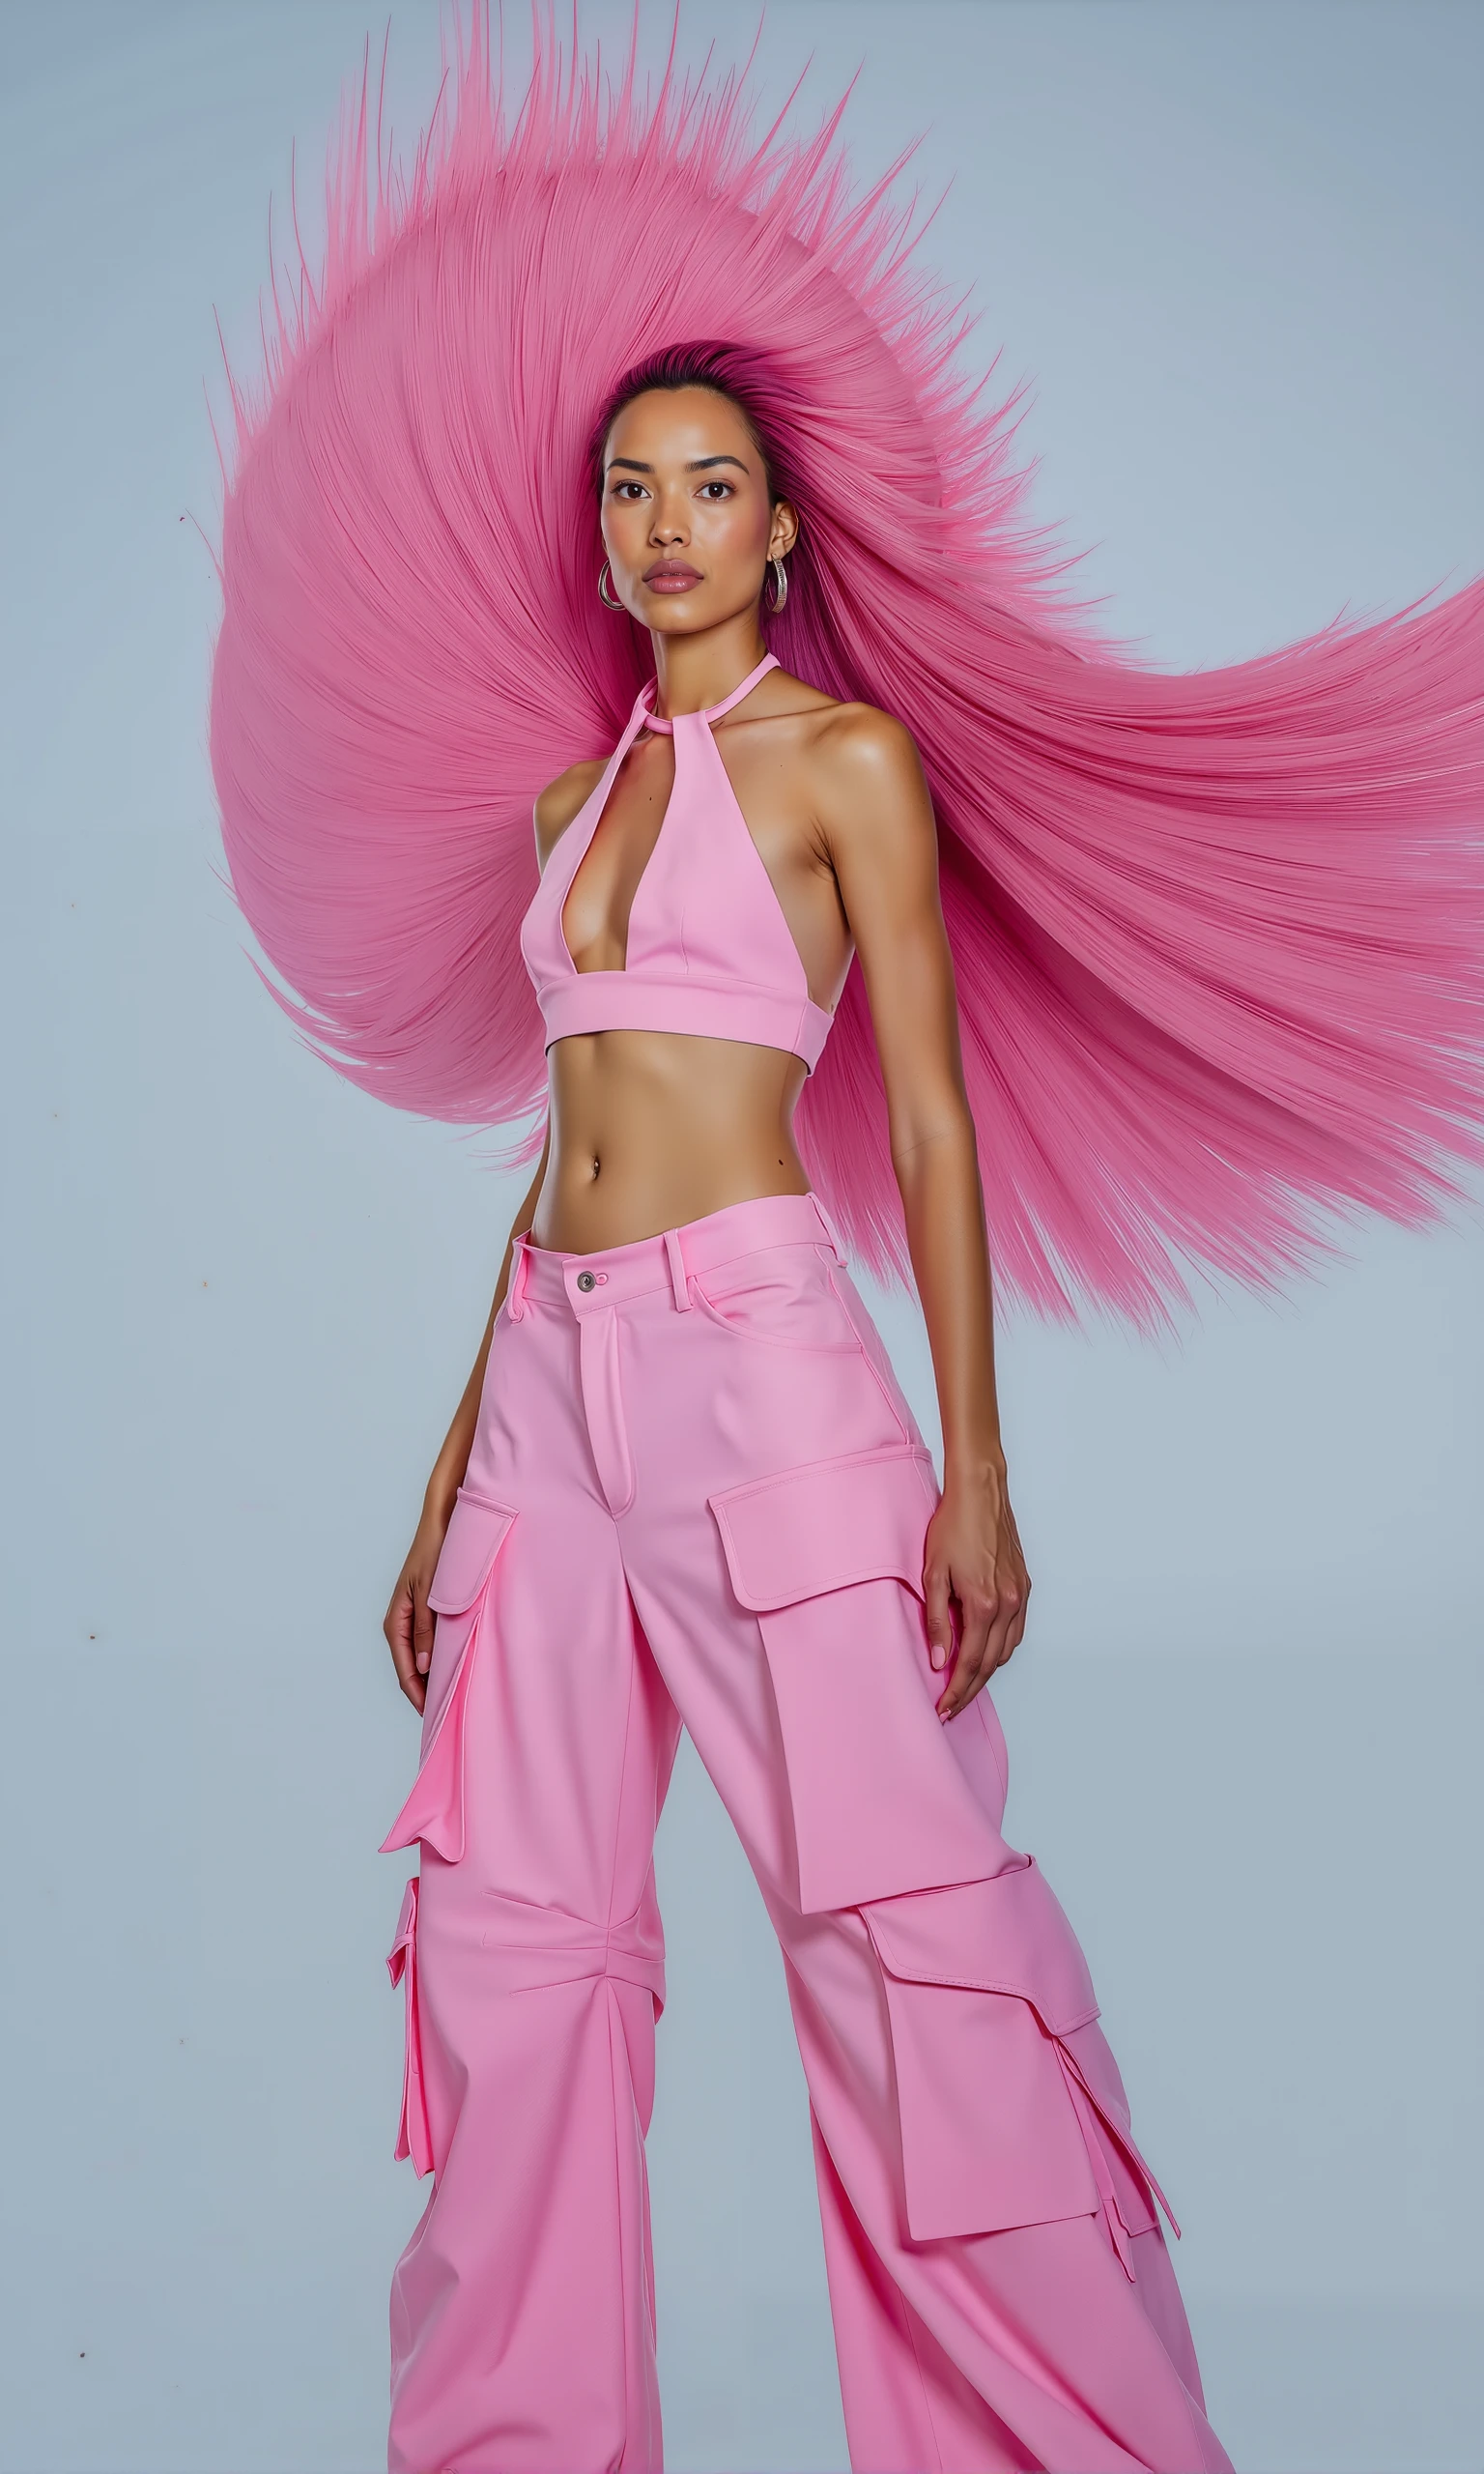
[711, 386]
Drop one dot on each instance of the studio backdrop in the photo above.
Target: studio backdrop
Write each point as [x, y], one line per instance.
[1233, 252]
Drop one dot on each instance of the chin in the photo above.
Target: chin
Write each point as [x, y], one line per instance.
[682, 613]
[690, 614]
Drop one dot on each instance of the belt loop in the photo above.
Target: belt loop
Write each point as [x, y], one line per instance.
[677, 1279]
[830, 1229]
[515, 1293]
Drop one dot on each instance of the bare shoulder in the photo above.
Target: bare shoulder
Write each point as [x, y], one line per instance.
[867, 772]
[564, 799]
[871, 743]
[854, 736]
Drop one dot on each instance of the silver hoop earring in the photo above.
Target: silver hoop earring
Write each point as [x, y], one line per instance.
[780, 586]
[603, 593]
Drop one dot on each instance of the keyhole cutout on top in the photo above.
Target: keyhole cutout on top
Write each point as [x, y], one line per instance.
[616, 879]
[620, 879]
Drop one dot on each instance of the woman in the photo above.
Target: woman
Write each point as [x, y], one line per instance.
[1212, 946]
[683, 1486]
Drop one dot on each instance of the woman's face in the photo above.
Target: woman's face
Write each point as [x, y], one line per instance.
[686, 520]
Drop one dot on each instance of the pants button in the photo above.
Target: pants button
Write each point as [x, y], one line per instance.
[587, 1279]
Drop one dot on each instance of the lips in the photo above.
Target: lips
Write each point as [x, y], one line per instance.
[670, 575]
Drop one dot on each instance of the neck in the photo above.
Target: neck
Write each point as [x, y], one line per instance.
[695, 672]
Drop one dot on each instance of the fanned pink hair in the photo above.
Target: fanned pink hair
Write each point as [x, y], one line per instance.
[1217, 934]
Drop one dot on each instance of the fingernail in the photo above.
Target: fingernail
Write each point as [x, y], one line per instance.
[423, 1661]
[937, 1660]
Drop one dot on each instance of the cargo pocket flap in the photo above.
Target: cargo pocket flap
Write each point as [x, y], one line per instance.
[804, 1531]
[1006, 1934]
[399, 1957]
[475, 1533]
[415, 2135]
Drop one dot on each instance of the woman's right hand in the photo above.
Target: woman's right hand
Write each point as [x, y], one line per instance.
[409, 1624]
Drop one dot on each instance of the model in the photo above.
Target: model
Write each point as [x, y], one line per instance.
[894, 866]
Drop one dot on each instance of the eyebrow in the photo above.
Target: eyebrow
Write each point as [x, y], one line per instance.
[698, 464]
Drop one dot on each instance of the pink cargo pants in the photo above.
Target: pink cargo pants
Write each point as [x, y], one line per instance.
[697, 1495]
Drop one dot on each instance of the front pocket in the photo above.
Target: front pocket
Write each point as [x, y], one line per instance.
[874, 1349]
[434, 1811]
[829, 1558]
[781, 1298]
[415, 2137]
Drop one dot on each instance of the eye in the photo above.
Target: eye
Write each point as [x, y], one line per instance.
[620, 489]
[723, 489]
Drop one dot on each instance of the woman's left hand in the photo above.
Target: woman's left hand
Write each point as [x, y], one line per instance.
[972, 1561]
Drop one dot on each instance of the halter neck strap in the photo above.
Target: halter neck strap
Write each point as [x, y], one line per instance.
[711, 712]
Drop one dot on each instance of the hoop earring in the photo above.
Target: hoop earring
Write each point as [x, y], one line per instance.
[603, 595]
[780, 586]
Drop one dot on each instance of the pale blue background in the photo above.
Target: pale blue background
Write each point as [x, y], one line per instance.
[1237, 251]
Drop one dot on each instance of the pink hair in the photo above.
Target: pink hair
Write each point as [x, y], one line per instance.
[1218, 936]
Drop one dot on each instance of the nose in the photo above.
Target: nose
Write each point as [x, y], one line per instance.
[670, 526]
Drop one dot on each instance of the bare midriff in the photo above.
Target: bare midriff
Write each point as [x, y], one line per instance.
[652, 1128]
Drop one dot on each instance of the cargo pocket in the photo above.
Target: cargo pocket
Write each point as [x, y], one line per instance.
[434, 1811]
[414, 2138]
[1009, 2113]
[829, 1558]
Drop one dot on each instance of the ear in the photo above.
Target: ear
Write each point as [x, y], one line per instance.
[784, 531]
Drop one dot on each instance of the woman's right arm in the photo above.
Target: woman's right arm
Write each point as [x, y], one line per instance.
[409, 1624]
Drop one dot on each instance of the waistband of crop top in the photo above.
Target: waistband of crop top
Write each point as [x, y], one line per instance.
[588, 1282]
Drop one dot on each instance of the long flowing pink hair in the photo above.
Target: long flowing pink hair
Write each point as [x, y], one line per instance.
[1218, 936]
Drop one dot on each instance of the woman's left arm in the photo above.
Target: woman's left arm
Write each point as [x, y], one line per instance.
[882, 841]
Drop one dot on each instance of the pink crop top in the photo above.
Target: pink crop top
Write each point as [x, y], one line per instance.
[709, 951]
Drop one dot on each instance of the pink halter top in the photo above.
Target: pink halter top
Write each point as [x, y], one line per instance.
[709, 951]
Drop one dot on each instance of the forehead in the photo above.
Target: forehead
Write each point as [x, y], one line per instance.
[675, 426]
